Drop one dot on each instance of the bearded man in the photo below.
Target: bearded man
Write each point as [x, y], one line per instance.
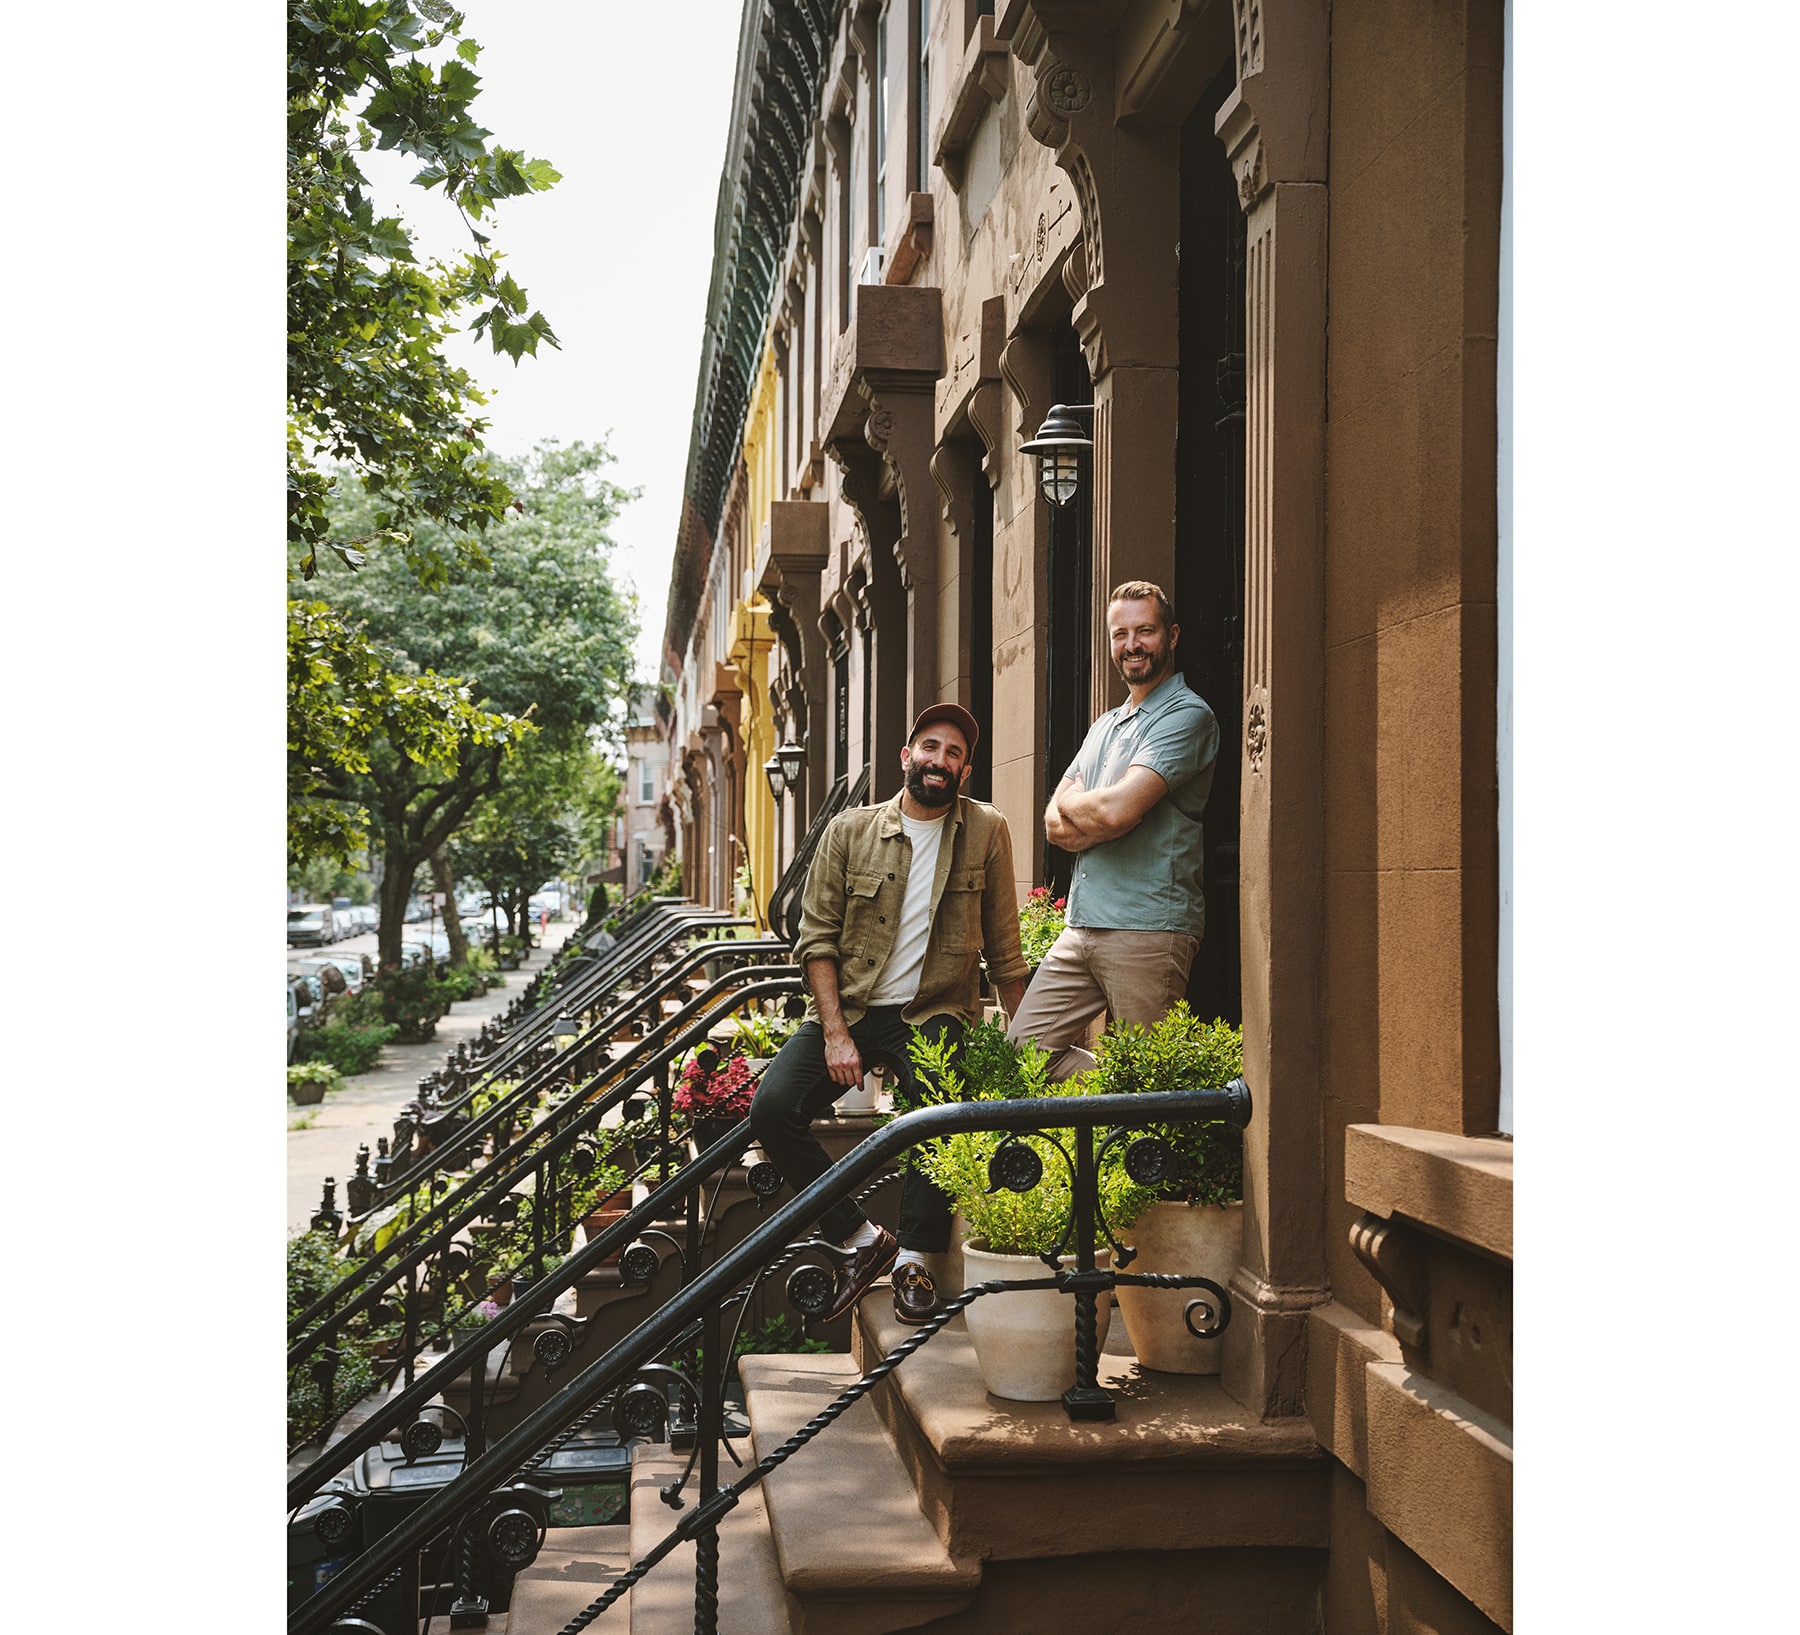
[900, 904]
[1130, 808]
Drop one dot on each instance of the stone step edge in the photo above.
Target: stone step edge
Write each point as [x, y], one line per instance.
[751, 1598]
[824, 1547]
[936, 1398]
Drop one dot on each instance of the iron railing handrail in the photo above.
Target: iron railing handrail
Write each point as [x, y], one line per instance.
[508, 1454]
[511, 1319]
[474, 1196]
[793, 878]
[447, 1152]
[616, 962]
[656, 1040]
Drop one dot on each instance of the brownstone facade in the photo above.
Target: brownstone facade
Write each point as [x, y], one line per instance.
[1261, 240]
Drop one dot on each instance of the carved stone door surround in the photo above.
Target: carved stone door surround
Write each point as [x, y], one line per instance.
[1107, 122]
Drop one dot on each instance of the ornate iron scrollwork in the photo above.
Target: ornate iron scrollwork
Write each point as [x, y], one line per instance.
[1218, 1310]
[421, 1439]
[764, 1179]
[1014, 1167]
[553, 1347]
[1150, 1161]
[334, 1521]
[809, 1289]
[639, 1263]
[641, 1411]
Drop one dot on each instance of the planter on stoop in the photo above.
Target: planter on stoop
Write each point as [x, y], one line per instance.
[1195, 1226]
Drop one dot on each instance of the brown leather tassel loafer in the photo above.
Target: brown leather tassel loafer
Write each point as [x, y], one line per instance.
[859, 1271]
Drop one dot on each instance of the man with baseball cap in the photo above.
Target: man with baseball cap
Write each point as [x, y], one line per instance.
[901, 902]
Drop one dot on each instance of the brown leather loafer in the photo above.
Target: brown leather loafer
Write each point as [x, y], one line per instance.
[859, 1271]
[915, 1295]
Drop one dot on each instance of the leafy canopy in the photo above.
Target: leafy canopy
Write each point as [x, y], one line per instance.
[368, 384]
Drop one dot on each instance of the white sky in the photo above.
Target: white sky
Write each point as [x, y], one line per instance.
[630, 103]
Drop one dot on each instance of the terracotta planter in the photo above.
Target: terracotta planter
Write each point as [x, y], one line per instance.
[1206, 1241]
[1025, 1341]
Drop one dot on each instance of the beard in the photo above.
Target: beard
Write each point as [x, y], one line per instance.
[923, 792]
[1157, 665]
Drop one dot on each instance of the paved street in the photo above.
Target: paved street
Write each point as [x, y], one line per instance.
[363, 1110]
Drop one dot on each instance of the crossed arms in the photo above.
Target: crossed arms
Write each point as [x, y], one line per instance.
[1077, 818]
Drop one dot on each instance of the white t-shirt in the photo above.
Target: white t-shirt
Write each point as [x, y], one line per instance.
[899, 979]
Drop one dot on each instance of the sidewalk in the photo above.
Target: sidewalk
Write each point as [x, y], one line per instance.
[364, 1109]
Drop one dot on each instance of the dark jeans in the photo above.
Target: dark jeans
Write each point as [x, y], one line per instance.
[796, 1089]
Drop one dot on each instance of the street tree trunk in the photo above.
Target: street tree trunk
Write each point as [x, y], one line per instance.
[440, 874]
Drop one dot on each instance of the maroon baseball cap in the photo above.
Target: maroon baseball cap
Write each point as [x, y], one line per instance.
[955, 714]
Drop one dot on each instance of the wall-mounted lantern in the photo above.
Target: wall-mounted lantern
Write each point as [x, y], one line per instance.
[772, 770]
[1061, 442]
[793, 761]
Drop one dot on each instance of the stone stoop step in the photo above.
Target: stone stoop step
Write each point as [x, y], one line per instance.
[1182, 1467]
[575, 1567]
[855, 1554]
[751, 1601]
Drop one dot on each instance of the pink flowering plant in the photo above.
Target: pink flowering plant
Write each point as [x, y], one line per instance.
[1040, 923]
[724, 1091]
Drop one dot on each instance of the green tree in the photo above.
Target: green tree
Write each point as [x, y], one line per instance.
[374, 406]
[369, 387]
[539, 631]
[553, 809]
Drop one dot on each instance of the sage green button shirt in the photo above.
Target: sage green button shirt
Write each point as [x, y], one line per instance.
[1149, 878]
[850, 909]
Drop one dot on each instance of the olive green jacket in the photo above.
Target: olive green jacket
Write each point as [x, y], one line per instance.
[850, 910]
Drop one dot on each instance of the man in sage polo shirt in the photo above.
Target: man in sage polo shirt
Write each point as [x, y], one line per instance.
[1129, 807]
[900, 903]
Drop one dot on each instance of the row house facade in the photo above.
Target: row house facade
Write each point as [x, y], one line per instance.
[1256, 248]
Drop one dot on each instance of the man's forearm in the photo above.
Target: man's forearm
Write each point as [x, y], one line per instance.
[822, 977]
[1061, 830]
[1096, 815]
[843, 1061]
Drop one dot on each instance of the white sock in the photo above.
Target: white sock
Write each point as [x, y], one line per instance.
[910, 1257]
[863, 1236]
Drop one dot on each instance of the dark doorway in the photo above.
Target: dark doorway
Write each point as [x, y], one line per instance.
[1209, 519]
[1070, 636]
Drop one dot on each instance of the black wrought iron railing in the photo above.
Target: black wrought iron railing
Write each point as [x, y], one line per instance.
[784, 900]
[494, 1507]
[414, 1282]
[481, 1111]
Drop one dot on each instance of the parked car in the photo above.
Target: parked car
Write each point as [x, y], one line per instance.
[416, 910]
[311, 925]
[339, 973]
[415, 953]
[293, 1008]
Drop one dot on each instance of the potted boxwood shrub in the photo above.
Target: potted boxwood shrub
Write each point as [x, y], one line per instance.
[1024, 1341]
[1193, 1223]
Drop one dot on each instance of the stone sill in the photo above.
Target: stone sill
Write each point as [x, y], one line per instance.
[1458, 1187]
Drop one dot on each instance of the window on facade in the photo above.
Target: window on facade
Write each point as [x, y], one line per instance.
[881, 125]
[921, 101]
[646, 781]
[846, 255]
